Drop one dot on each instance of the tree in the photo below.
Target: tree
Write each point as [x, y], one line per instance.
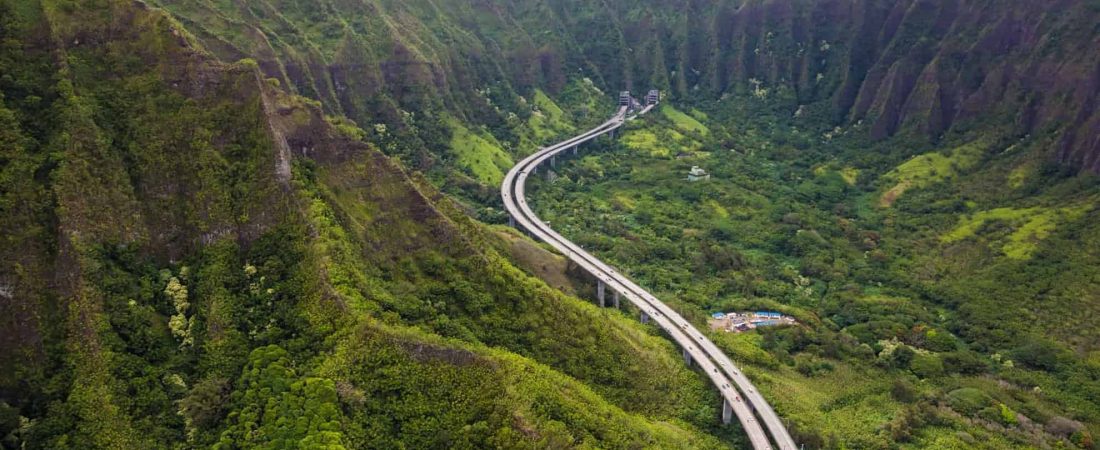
[179, 323]
[277, 408]
[204, 406]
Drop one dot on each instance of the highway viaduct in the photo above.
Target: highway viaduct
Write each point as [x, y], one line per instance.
[739, 396]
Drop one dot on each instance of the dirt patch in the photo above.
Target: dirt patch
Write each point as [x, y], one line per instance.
[429, 353]
[890, 196]
[537, 261]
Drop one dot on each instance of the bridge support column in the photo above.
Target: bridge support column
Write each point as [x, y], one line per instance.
[615, 298]
[575, 150]
[511, 221]
[645, 317]
[600, 287]
[553, 161]
[687, 357]
[727, 412]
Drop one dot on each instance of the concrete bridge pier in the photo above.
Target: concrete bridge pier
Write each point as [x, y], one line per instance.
[687, 357]
[511, 221]
[600, 288]
[727, 412]
[553, 161]
[645, 317]
[575, 150]
[615, 298]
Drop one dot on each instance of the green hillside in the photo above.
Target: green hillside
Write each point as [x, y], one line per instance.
[277, 223]
[234, 270]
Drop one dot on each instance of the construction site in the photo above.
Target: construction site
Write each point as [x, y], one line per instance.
[737, 322]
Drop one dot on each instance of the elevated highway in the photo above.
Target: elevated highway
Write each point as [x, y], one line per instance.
[740, 397]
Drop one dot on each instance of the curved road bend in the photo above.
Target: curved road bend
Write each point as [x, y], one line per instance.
[718, 367]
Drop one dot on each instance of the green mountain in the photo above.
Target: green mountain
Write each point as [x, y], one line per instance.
[276, 223]
[908, 65]
[192, 256]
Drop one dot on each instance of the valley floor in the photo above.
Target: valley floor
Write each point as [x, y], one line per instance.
[886, 353]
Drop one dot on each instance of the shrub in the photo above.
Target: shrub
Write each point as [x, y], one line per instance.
[1008, 416]
[968, 400]
[903, 391]
[926, 366]
[1062, 426]
[964, 362]
[1040, 354]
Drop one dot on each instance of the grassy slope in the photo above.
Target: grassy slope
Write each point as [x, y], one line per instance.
[927, 169]
[1029, 226]
[683, 121]
[548, 120]
[480, 154]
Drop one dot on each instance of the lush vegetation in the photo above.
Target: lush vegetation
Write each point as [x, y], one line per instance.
[938, 309]
[197, 259]
[209, 239]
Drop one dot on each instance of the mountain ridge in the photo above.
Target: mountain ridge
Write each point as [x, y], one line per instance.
[912, 66]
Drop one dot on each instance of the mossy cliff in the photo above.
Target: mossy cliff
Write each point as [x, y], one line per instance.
[911, 66]
[192, 256]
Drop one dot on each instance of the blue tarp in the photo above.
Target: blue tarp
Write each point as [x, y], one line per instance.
[718, 315]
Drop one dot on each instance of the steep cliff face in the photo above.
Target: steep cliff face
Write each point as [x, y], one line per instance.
[123, 140]
[924, 66]
[192, 255]
[911, 65]
[396, 63]
[98, 154]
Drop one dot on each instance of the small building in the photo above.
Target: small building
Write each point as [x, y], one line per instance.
[698, 174]
[624, 98]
